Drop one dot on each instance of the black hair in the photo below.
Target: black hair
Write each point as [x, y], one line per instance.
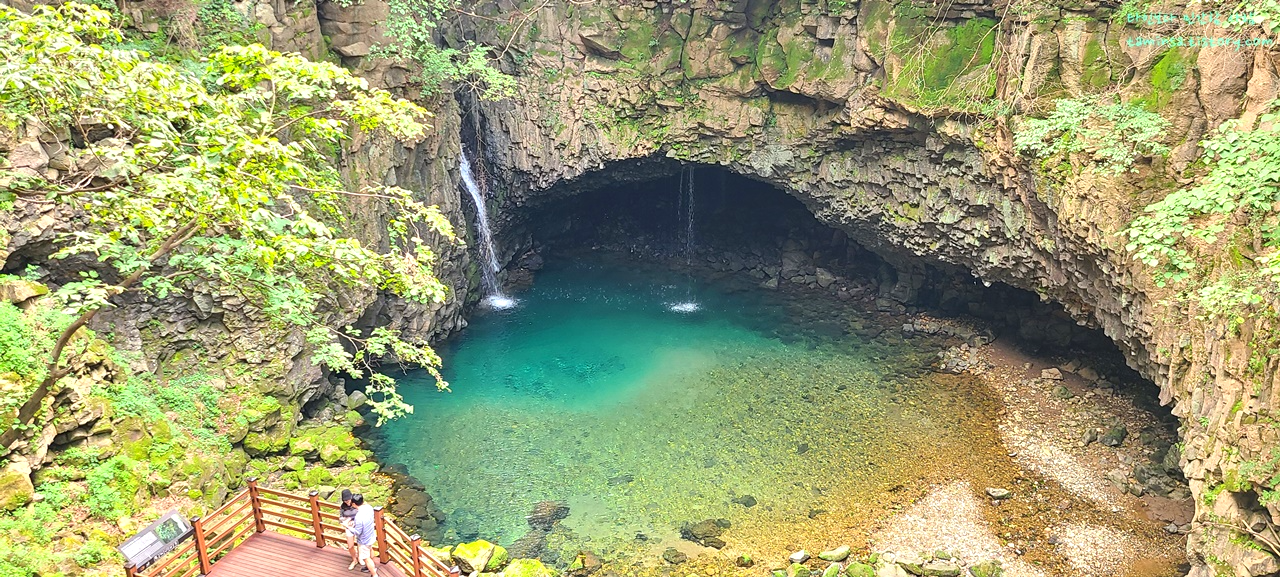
[357, 499]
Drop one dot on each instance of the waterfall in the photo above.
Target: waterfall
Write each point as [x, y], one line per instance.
[488, 256]
[689, 305]
[688, 218]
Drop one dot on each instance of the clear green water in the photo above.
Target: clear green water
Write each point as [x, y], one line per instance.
[593, 391]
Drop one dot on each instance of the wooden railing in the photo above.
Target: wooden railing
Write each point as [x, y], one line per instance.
[255, 509]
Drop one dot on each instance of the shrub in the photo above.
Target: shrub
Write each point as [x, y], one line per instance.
[1112, 133]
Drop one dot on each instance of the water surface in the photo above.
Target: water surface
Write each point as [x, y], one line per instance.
[646, 399]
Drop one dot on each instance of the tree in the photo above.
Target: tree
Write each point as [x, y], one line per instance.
[220, 175]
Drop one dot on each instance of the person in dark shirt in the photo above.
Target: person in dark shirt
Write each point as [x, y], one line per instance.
[347, 517]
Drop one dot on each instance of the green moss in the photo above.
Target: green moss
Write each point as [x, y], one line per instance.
[1096, 69]
[934, 61]
[638, 41]
[1167, 76]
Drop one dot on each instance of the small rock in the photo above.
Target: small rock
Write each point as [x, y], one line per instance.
[744, 561]
[1062, 392]
[838, 554]
[832, 570]
[1114, 436]
[856, 569]
[799, 556]
[939, 568]
[746, 501]
[987, 569]
[674, 556]
[1052, 374]
[1090, 436]
[797, 570]
[621, 479]
[998, 493]
[1088, 374]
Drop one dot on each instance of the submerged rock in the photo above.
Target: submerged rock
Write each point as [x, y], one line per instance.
[705, 532]
[674, 556]
[746, 501]
[546, 514]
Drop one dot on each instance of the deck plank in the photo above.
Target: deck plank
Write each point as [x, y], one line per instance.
[276, 555]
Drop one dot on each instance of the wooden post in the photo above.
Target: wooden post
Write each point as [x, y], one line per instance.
[415, 549]
[384, 554]
[202, 551]
[315, 518]
[130, 571]
[259, 526]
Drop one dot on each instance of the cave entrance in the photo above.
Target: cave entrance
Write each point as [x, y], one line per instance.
[696, 361]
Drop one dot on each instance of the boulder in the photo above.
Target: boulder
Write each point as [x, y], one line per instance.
[527, 568]
[1053, 374]
[797, 570]
[824, 277]
[16, 489]
[838, 554]
[891, 570]
[476, 555]
[18, 290]
[832, 570]
[856, 569]
[1114, 436]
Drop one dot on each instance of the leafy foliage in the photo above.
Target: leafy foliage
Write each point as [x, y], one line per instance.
[1242, 187]
[113, 486]
[215, 178]
[411, 26]
[1113, 134]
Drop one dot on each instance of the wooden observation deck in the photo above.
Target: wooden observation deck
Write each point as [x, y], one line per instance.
[261, 532]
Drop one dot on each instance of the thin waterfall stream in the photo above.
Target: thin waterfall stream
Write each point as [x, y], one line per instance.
[689, 304]
[494, 298]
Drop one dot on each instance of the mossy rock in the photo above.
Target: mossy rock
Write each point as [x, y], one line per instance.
[498, 560]
[797, 570]
[16, 489]
[527, 568]
[294, 463]
[475, 556]
[987, 569]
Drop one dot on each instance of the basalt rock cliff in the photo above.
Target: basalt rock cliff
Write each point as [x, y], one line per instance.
[889, 120]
